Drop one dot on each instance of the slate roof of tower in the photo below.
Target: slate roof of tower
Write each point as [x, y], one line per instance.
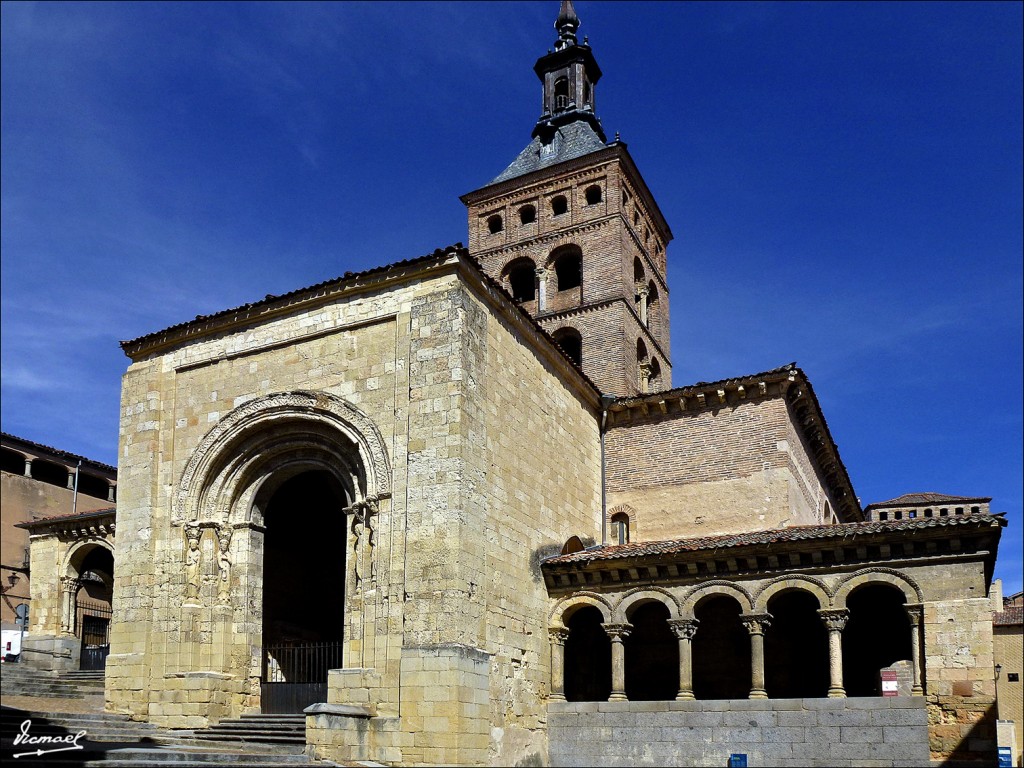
[764, 538]
[925, 498]
[570, 141]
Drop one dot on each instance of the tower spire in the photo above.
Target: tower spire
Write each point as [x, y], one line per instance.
[566, 25]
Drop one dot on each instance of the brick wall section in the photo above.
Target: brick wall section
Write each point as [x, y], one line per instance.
[1008, 650]
[761, 475]
[611, 234]
[778, 732]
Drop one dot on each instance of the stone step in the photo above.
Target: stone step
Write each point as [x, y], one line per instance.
[135, 756]
[249, 726]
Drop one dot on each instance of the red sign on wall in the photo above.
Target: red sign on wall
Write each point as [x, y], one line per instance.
[890, 686]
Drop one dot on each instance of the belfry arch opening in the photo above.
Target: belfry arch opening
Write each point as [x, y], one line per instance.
[304, 553]
[92, 568]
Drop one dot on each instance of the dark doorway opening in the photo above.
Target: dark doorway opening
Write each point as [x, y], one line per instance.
[652, 655]
[721, 651]
[303, 590]
[588, 657]
[796, 648]
[877, 634]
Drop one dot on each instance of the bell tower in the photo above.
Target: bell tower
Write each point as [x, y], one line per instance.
[571, 230]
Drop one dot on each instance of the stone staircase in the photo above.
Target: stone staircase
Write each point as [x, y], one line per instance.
[20, 680]
[251, 741]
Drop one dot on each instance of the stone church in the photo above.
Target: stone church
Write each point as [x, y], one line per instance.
[451, 509]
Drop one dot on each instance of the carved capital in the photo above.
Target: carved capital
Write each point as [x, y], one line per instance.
[558, 635]
[684, 629]
[915, 612]
[756, 623]
[834, 619]
[617, 632]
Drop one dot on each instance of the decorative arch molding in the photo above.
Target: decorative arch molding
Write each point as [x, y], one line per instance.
[300, 429]
[717, 587]
[643, 595]
[809, 584]
[890, 576]
[575, 601]
[68, 567]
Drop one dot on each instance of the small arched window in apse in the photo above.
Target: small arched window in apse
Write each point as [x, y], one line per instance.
[527, 214]
[593, 194]
[620, 528]
[495, 224]
[559, 205]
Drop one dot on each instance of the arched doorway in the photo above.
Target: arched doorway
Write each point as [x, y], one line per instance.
[877, 634]
[91, 588]
[796, 648]
[588, 657]
[652, 655]
[304, 556]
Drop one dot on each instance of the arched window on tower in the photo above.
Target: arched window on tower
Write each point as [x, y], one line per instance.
[643, 366]
[495, 224]
[588, 94]
[521, 277]
[569, 268]
[559, 205]
[593, 194]
[652, 305]
[527, 214]
[561, 93]
[571, 342]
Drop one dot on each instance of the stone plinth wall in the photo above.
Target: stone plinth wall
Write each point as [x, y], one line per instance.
[776, 732]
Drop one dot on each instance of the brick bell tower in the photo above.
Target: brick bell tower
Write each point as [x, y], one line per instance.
[571, 230]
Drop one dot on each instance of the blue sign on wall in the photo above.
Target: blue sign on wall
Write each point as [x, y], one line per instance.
[740, 761]
[1005, 758]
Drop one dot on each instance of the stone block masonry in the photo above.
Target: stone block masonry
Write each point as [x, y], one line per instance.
[776, 732]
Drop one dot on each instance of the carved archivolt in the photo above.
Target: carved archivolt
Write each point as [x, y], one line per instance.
[889, 576]
[816, 587]
[716, 587]
[319, 424]
[579, 600]
[646, 594]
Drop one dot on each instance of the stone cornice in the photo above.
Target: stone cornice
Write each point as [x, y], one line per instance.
[101, 523]
[839, 554]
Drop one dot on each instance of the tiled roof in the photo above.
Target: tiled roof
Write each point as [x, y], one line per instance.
[768, 537]
[70, 517]
[1008, 617]
[701, 386]
[925, 498]
[73, 457]
[569, 142]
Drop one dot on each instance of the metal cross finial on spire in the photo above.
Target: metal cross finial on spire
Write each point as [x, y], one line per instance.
[567, 23]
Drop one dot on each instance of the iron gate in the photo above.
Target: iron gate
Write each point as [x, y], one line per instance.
[295, 676]
[93, 627]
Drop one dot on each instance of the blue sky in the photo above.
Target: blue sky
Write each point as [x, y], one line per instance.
[844, 182]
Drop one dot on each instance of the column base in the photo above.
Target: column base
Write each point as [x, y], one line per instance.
[837, 693]
[917, 690]
[556, 697]
[757, 693]
[685, 696]
[618, 697]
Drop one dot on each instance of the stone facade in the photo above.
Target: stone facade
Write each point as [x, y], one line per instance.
[496, 504]
[409, 378]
